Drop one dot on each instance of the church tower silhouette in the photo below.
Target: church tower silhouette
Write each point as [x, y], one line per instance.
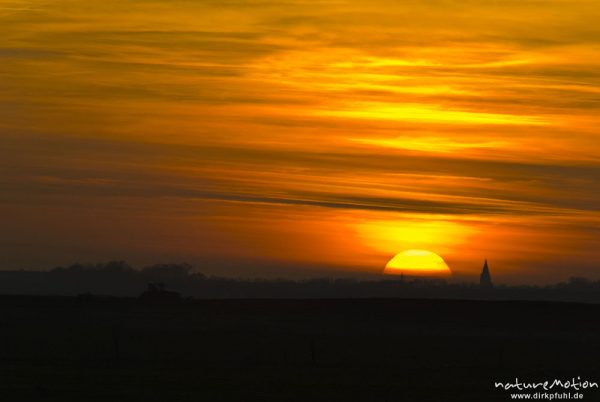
[485, 280]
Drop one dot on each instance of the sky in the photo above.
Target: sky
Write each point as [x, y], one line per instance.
[302, 138]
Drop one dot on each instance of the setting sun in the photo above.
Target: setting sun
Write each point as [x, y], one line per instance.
[417, 263]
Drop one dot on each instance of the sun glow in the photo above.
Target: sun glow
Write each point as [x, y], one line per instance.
[405, 233]
[438, 145]
[429, 114]
[417, 263]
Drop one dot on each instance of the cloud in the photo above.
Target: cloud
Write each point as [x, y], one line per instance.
[249, 175]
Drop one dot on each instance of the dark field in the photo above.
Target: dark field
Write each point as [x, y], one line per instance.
[86, 349]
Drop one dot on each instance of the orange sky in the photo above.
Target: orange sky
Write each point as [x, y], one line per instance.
[302, 138]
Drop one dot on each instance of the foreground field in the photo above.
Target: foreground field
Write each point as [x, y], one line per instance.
[88, 349]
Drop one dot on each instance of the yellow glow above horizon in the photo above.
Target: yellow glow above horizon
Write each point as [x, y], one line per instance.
[390, 236]
[417, 263]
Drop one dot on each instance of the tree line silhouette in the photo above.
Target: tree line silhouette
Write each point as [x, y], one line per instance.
[118, 278]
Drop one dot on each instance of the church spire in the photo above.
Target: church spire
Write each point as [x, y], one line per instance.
[485, 280]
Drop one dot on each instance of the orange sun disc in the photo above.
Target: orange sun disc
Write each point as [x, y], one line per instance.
[417, 263]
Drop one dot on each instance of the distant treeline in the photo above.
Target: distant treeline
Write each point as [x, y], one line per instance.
[117, 278]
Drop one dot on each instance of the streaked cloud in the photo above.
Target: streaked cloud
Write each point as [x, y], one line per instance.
[426, 114]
